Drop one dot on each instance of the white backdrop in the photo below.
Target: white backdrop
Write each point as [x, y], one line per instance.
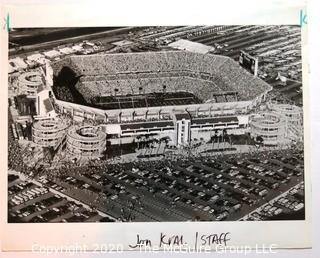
[314, 83]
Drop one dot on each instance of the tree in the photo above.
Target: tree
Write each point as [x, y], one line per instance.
[259, 139]
[224, 133]
[230, 139]
[138, 138]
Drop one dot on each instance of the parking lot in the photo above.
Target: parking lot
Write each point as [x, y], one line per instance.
[288, 204]
[29, 202]
[222, 188]
[278, 49]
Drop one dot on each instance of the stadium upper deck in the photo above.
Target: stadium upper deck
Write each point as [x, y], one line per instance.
[203, 75]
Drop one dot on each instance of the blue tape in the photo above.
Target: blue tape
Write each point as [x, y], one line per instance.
[303, 18]
[6, 25]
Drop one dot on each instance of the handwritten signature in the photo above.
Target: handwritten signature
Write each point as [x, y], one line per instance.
[167, 240]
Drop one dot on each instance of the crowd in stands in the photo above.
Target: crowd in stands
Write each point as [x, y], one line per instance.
[123, 87]
[63, 93]
[166, 71]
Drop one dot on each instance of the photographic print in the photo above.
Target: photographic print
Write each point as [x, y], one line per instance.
[155, 124]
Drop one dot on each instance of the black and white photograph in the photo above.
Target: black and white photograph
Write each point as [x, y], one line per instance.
[155, 124]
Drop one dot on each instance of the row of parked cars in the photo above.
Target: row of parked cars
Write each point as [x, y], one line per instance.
[291, 202]
[26, 194]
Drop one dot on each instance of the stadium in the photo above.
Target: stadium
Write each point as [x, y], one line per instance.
[193, 123]
[176, 95]
[150, 85]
